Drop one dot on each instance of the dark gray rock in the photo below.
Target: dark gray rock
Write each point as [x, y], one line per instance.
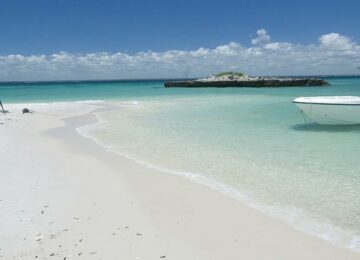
[259, 83]
[25, 110]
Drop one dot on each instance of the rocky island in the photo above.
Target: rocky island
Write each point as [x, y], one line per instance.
[238, 79]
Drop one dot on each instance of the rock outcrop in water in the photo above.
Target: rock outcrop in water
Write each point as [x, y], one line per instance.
[236, 79]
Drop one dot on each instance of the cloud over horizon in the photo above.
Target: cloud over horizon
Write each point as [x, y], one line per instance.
[332, 54]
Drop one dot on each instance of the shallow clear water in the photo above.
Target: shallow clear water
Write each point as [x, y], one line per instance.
[252, 143]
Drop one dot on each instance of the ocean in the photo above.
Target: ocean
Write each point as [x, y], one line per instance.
[252, 144]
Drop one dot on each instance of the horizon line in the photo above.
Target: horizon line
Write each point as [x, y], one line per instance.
[158, 79]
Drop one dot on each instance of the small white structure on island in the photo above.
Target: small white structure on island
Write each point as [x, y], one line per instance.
[228, 76]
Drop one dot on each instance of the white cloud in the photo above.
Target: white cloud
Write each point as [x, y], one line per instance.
[231, 49]
[263, 37]
[278, 46]
[335, 41]
[334, 54]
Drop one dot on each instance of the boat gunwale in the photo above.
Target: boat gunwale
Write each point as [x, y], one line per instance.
[327, 104]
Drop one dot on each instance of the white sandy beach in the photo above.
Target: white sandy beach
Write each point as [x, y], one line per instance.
[64, 197]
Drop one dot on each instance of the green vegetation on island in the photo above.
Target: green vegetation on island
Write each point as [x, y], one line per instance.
[229, 73]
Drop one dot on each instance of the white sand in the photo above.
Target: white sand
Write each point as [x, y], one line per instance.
[62, 194]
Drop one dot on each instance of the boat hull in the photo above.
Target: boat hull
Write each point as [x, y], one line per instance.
[330, 113]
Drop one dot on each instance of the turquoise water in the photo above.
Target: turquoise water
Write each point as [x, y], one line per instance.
[123, 90]
[250, 143]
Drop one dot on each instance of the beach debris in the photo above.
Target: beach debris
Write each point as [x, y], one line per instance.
[138, 234]
[42, 212]
[39, 237]
[80, 253]
[93, 253]
[163, 256]
[126, 227]
[26, 110]
[52, 254]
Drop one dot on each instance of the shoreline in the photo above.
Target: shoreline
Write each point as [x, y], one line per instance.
[294, 217]
[194, 221]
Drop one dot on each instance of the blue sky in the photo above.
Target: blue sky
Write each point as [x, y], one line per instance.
[78, 28]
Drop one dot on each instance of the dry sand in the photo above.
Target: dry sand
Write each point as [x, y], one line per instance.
[64, 197]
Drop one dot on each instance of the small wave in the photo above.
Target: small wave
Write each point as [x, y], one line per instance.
[90, 101]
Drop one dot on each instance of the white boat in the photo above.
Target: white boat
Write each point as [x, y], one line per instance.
[331, 110]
